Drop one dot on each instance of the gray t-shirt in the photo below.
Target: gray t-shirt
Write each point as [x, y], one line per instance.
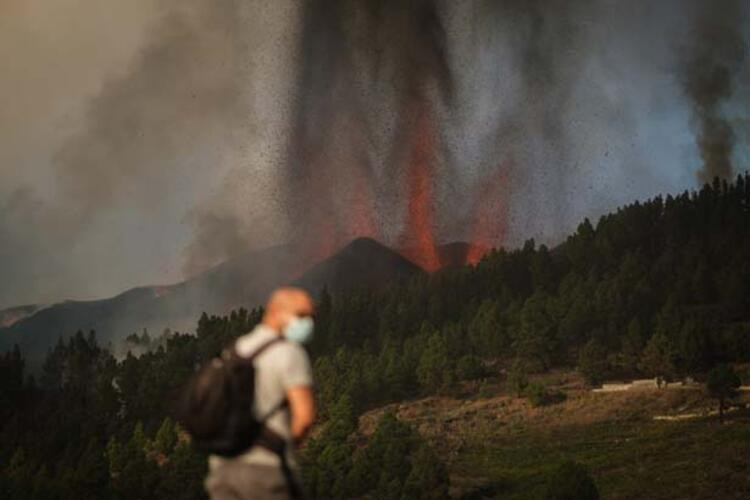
[280, 367]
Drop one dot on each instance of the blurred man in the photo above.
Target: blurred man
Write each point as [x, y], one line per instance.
[283, 396]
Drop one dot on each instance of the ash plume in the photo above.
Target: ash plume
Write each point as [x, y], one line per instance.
[382, 89]
[368, 70]
[713, 57]
[544, 87]
[532, 53]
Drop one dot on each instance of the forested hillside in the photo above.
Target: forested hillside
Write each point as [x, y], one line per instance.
[659, 288]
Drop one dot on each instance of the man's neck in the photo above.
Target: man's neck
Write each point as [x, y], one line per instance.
[271, 325]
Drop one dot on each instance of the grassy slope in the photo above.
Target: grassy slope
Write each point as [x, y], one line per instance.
[501, 447]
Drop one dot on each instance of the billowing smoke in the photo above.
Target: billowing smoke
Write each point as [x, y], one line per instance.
[176, 93]
[145, 169]
[712, 59]
[180, 111]
[216, 235]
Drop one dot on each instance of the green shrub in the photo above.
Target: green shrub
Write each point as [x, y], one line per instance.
[518, 378]
[592, 362]
[571, 481]
[539, 395]
[722, 384]
[469, 368]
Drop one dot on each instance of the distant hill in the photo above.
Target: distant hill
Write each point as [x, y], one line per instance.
[244, 281]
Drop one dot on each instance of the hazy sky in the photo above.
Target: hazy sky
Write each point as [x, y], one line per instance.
[143, 141]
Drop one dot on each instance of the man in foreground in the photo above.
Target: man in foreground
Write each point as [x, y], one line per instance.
[283, 397]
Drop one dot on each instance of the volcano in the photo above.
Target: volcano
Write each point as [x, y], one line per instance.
[363, 263]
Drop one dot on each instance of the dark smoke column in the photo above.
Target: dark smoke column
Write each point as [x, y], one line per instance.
[329, 195]
[714, 55]
[425, 79]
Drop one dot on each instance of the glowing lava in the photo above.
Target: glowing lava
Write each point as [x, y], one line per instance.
[489, 215]
[330, 217]
[418, 235]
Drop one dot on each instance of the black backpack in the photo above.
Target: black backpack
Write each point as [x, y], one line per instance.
[216, 405]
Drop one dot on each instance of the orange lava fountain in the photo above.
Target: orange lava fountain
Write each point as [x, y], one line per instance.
[418, 235]
[333, 217]
[489, 221]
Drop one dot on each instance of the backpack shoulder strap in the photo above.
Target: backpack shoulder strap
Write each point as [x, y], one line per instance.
[283, 403]
[262, 348]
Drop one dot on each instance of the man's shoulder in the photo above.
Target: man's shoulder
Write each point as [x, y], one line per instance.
[247, 344]
[287, 352]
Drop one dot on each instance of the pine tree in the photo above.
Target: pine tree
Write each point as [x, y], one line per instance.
[536, 342]
[166, 437]
[115, 457]
[631, 347]
[91, 475]
[722, 384]
[592, 362]
[657, 359]
[435, 370]
[518, 378]
[428, 478]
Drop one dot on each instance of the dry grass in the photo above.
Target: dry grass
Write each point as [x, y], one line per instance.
[501, 446]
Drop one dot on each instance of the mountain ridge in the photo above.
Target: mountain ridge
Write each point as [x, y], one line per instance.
[243, 281]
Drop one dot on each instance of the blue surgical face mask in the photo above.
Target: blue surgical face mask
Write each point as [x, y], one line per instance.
[299, 330]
